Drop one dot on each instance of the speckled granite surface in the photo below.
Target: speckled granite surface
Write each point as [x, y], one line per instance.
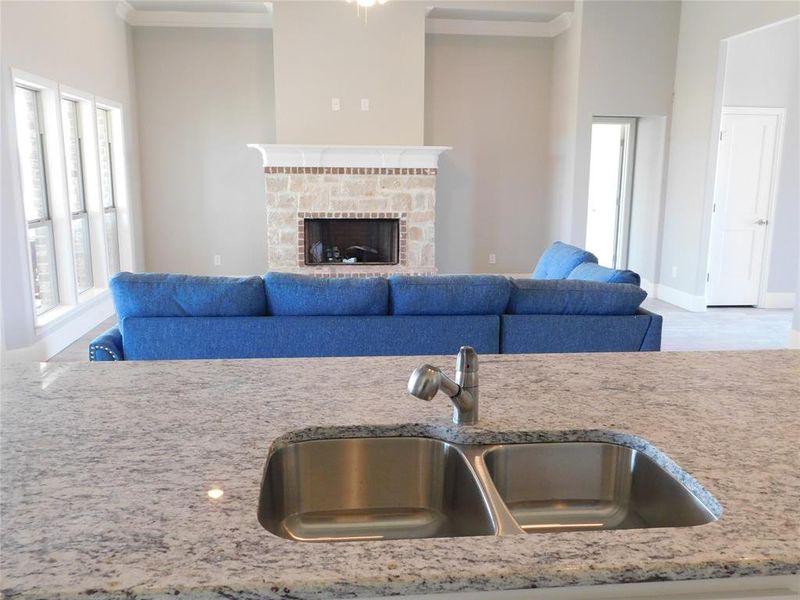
[105, 469]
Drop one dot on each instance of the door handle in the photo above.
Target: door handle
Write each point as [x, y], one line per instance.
[762, 222]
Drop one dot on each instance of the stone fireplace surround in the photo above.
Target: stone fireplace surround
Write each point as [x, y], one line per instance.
[350, 182]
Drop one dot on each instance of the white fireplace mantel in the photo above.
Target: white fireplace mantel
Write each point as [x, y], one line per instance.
[382, 157]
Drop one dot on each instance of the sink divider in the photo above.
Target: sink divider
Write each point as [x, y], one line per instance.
[504, 522]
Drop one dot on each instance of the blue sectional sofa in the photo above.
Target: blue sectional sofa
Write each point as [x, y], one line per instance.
[570, 305]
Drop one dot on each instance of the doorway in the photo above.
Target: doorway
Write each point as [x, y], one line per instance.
[742, 212]
[611, 165]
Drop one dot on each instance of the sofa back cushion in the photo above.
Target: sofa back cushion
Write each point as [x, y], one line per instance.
[174, 295]
[449, 294]
[560, 259]
[289, 294]
[593, 272]
[573, 297]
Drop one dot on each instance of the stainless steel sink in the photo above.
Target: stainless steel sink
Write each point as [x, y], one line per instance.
[579, 486]
[371, 489]
[391, 488]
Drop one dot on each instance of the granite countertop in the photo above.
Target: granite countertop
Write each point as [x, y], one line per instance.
[106, 468]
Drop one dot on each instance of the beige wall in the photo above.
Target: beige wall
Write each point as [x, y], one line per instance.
[86, 46]
[323, 50]
[695, 116]
[204, 94]
[564, 87]
[484, 97]
[627, 69]
[647, 197]
[617, 59]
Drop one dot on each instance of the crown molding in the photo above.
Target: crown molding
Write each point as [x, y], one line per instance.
[123, 10]
[549, 29]
[171, 18]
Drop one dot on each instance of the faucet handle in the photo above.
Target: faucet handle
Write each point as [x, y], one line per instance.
[467, 360]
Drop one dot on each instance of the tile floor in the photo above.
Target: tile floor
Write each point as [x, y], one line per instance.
[730, 328]
[716, 329]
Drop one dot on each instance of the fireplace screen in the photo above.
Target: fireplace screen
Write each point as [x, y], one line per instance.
[352, 241]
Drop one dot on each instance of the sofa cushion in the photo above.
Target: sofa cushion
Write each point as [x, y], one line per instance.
[173, 295]
[573, 297]
[593, 272]
[560, 259]
[449, 294]
[289, 294]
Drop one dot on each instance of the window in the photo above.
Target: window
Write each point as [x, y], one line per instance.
[105, 142]
[73, 197]
[33, 172]
[73, 156]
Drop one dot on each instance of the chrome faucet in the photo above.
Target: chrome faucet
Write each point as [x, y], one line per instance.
[427, 380]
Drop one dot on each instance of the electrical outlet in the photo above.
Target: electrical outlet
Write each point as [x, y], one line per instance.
[493, 259]
[674, 271]
[217, 260]
[336, 104]
[365, 104]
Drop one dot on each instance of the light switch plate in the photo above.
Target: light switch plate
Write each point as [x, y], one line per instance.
[365, 104]
[336, 104]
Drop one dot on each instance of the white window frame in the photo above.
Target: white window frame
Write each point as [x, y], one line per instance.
[46, 220]
[71, 303]
[58, 202]
[91, 181]
[82, 212]
[119, 173]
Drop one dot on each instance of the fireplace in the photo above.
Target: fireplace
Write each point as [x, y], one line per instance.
[351, 241]
[350, 211]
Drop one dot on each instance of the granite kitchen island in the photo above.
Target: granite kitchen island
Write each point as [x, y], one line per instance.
[106, 469]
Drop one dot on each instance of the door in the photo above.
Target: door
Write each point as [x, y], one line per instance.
[743, 190]
[610, 187]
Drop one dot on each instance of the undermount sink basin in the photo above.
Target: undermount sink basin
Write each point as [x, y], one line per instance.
[392, 488]
[371, 489]
[583, 486]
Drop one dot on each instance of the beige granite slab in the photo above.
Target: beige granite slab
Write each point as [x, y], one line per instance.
[106, 467]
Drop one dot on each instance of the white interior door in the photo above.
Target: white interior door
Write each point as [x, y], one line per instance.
[742, 195]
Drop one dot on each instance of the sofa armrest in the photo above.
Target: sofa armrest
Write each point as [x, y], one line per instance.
[107, 346]
[652, 338]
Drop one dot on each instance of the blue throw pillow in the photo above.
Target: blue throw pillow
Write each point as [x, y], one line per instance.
[573, 297]
[174, 295]
[592, 272]
[560, 259]
[449, 294]
[289, 294]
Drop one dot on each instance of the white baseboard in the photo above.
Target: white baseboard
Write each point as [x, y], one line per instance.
[680, 298]
[67, 332]
[794, 339]
[779, 300]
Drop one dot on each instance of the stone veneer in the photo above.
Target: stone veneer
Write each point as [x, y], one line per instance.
[296, 193]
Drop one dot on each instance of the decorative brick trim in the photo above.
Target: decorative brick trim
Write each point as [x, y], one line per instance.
[347, 171]
[402, 217]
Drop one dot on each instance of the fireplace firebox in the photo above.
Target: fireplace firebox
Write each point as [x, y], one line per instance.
[352, 241]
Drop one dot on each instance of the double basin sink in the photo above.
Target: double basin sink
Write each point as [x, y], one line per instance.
[393, 488]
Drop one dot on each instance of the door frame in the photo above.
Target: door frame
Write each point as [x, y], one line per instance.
[766, 258]
[622, 233]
